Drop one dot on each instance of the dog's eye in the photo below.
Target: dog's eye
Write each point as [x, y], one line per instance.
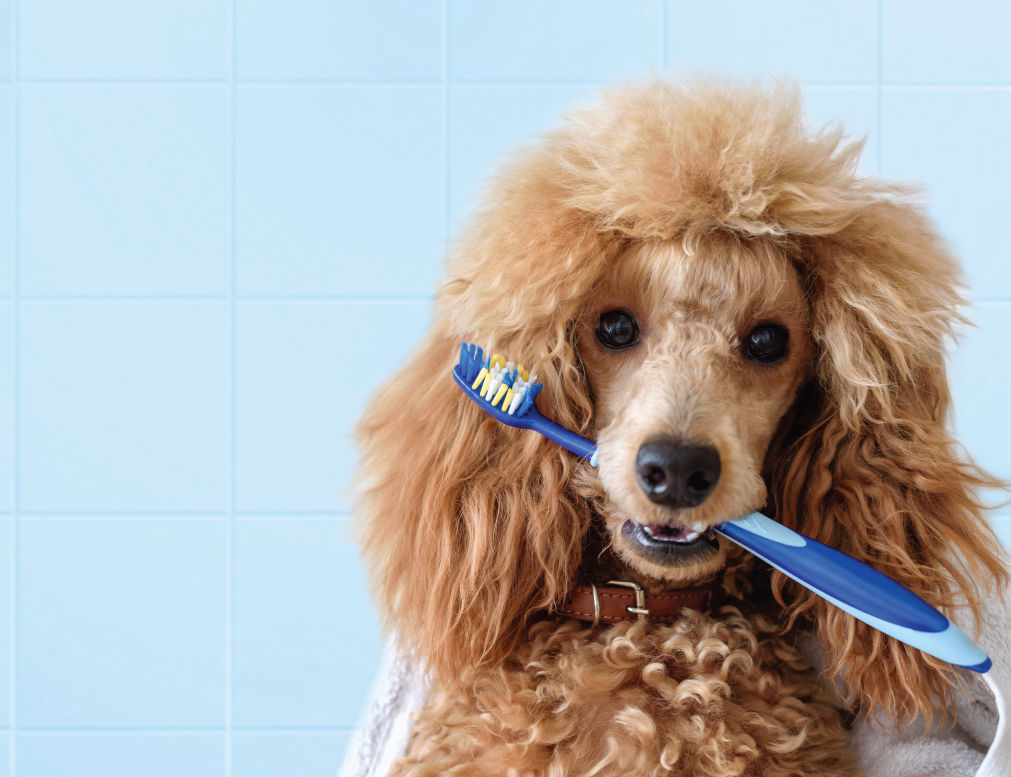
[766, 343]
[617, 329]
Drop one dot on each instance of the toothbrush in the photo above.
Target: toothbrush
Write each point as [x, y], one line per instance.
[506, 392]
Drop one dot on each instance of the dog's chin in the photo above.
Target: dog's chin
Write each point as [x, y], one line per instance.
[669, 552]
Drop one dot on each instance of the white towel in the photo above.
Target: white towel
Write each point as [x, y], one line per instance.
[942, 751]
[945, 751]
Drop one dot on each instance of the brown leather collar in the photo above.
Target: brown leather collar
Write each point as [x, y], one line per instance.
[622, 601]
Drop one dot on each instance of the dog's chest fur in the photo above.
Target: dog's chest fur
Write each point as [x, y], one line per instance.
[704, 696]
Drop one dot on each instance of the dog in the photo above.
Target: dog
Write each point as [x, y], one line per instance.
[742, 323]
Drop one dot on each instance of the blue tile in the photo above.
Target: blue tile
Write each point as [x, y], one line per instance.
[346, 464]
[124, 189]
[121, 622]
[855, 109]
[6, 406]
[487, 123]
[317, 39]
[339, 190]
[282, 754]
[1002, 523]
[304, 370]
[124, 406]
[6, 39]
[829, 41]
[6, 565]
[121, 755]
[298, 657]
[979, 381]
[586, 40]
[934, 41]
[5, 754]
[6, 190]
[124, 39]
[949, 141]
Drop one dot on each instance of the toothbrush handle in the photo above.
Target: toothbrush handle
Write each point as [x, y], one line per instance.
[569, 440]
[856, 588]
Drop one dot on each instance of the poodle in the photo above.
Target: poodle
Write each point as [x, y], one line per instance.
[742, 323]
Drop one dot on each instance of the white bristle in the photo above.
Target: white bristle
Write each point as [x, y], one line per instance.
[518, 392]
[493, 374]
[494, 383]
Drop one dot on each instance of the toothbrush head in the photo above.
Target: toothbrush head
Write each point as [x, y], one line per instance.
[506, 392]
[501, 388]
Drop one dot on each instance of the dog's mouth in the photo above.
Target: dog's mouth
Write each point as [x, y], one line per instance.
[670, 543]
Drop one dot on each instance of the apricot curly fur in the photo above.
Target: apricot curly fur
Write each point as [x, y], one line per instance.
[473, 531]
[724, 696]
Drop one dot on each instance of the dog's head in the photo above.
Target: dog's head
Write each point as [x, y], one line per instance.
[741, 323]
[694, 352]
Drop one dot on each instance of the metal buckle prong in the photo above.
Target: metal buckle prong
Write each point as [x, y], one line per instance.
[640, 598]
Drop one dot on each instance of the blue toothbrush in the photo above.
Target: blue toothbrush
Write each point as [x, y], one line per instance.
[507, 393]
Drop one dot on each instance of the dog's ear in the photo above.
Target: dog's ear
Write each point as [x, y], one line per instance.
[470, 527]
[870, 468]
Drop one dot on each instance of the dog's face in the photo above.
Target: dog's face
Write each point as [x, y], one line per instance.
[693, 357]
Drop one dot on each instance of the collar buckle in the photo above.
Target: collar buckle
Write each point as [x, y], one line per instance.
[640, 598]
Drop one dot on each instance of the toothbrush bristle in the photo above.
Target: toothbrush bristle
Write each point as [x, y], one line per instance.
[504, 385]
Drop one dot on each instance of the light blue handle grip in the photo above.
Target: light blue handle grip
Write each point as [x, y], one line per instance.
[856, 588]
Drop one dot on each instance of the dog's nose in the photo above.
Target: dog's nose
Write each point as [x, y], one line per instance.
[677, 475]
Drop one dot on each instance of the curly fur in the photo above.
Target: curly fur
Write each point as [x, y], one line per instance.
[728, 695]
[473, 531]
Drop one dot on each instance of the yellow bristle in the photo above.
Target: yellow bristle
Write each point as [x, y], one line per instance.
[480, 376]
[499, 394]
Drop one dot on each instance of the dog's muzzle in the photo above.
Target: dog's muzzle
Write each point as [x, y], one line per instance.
[676, 474]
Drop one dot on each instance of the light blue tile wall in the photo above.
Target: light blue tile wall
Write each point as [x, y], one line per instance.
[318, 159]
[6, 632]
[528, 40]
[828, 42]
[123, 405]
[944, 138]
[315, 39]
[221, 223]
[7, 191]
[121, 622]
[110, 39]
[272, 753]
[937, 42]
[124, 189]
[292, 661]
[100, 754]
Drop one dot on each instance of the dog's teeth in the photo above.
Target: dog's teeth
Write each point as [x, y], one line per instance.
[670, 533]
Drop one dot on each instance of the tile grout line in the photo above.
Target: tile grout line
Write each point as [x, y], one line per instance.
[664, 37]
[16, 352]
[477, 82]
[879, 90]
[180, 514]
[242, 298]
[232, 377]
[445, 130]
[177, 730]
[149, 298]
